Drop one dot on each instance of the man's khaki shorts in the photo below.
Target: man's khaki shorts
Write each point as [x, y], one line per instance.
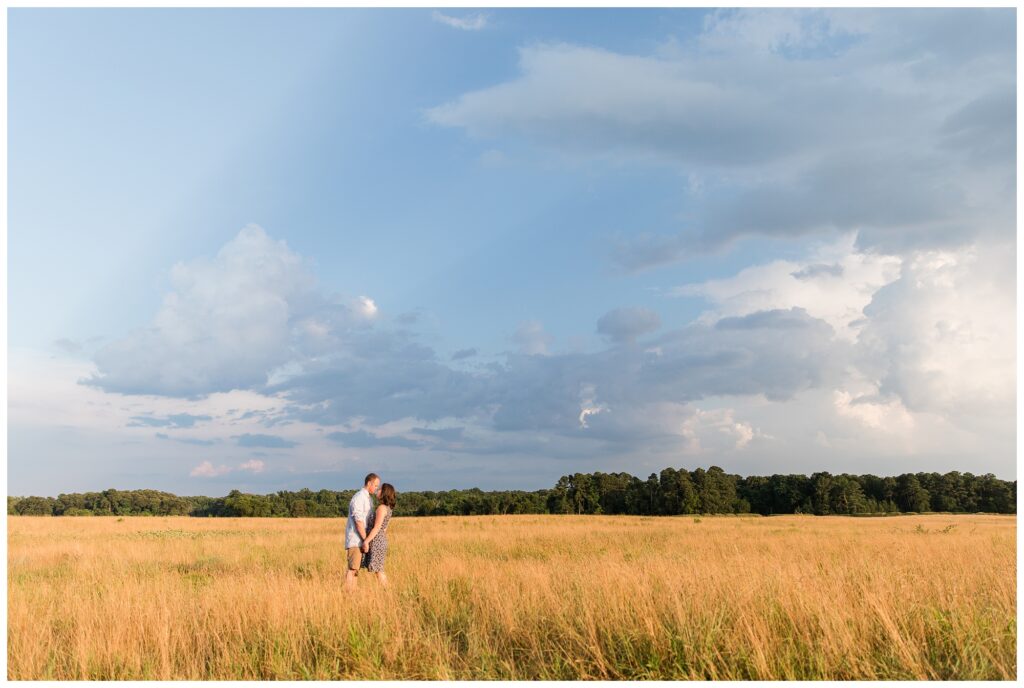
[355, 558]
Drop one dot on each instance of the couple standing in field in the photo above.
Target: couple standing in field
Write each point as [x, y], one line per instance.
[366, 531]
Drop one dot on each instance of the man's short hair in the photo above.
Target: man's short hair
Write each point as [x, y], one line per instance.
[371, 476]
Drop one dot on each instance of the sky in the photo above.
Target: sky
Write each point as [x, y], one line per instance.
[272, 249]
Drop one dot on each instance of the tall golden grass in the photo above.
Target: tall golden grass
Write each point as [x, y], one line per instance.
[516, 597]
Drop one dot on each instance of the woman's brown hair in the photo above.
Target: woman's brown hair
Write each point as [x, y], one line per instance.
[387, 495]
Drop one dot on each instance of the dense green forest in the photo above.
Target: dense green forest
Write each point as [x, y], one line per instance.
[671, 492]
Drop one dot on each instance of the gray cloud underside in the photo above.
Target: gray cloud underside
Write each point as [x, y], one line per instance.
[818, 270]
[186, 440]
[776, 353]
[464, 353]
[174, 420]
[362, 438]
[626, 324]
[267, 441]
[333, 366]
[449, 434]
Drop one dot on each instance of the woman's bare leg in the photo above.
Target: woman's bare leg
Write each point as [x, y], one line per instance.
[382, 577]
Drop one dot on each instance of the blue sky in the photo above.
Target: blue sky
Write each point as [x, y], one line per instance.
[491, 248]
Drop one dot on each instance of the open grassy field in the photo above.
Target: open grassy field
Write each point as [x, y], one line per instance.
[517, 597]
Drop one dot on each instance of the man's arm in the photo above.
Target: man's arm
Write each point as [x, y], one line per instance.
[359, 514]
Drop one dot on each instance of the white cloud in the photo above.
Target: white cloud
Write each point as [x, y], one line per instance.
[834, 283]
[588, 407]
[885, 415]
[942, 337]
[849, 428]
[715, 430]
[254, 465]
[207, 470]
[675, 428]
[229, 322]
[786, 31]
[471, 22]
[591, 100]
[927, 338]
[367, 307]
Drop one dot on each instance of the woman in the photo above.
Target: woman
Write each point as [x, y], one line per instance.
[375, 546]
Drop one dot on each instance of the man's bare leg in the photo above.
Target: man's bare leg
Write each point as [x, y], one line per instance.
[350, 579]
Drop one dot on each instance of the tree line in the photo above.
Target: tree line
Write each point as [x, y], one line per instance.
[671, 492]
[714, 491]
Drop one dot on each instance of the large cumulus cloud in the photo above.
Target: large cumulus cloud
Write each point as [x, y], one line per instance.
[836, 351]
[254, 318]
[229, 322]
[931, 332]
[942, 337]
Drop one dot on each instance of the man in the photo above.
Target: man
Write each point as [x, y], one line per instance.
[359, 508]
